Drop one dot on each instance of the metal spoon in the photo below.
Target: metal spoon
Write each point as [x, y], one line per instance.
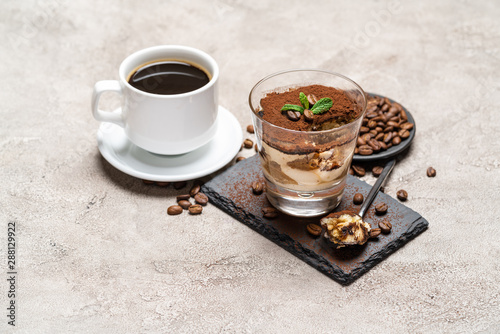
[390, 157]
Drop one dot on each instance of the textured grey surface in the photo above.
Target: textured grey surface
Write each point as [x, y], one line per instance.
[97, 252]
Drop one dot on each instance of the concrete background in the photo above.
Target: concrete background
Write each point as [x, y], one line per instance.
[96, 251]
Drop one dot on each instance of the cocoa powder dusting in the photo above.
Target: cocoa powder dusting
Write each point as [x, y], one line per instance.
[311, 138]
[342, 112]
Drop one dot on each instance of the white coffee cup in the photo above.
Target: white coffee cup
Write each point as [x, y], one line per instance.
[163, 124]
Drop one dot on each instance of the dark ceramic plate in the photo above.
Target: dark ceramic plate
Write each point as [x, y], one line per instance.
[394, 150]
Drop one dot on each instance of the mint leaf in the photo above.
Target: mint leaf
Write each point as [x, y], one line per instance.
[293, 107]
[322, 105]
[303, 99]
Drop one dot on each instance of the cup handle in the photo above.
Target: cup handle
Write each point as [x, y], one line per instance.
[106, 116]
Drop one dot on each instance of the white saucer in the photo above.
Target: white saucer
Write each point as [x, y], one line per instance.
[130, 159]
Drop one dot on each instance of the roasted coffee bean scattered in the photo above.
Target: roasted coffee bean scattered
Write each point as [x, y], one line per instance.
[180, 184]
[358, 198]
[183, 197]
[201, 198]
[248, 143]
[314, 230]
[385, 125]
[359, 170]
[381, 209]
[257, 187]
[148, 182]
[250, 128]
[194, 190]
[270, 212]
[293, 115]
[256, 148]
[174, 210]
[377, 170]
[431, 172]
[312, 100]
[195, 209]
[163, 184]
[308, 115]
[385, 227]
[375, 232]
[238, 159]
[402, 195]
[185, 204]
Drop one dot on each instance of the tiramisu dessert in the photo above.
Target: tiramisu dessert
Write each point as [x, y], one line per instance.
[300, 151]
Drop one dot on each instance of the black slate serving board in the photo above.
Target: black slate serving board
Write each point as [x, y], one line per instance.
[231, 192]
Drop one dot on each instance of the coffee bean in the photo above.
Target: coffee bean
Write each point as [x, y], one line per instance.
[257, 187]
[250, 128]
[366, 137]
[431, 172]
[248, 143]
[365, 150]
[364, 129]
[201, 198]
[377, 170]
[180, 184]
[195, 209]
[396, 140]
[270, 212]
[374, 233]
[293, 115]
[148, 182]
[308, 115]
[194, 190]
[360, 171]
[185, 204]
[312, 100]
[361, 141]
[385, 227]
[383, 146]
[388, 129]
[256, 147]
[402, 195]
[404, 133]
[404, 116]
[314, 230]
[393, 124]
[163, 184]
[183, 197]
[381, 209]
[351, 171]
[372, 124]
[374, 145]
[388, 137]
[407, 126]
[358, 198]
[238, 159]
[174, 210]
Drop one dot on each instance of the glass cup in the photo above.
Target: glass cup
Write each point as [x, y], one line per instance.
[305, 171]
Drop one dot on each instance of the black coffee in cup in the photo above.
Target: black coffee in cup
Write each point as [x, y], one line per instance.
[168, 77]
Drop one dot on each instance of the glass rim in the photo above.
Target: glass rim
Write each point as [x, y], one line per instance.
[365, 99]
